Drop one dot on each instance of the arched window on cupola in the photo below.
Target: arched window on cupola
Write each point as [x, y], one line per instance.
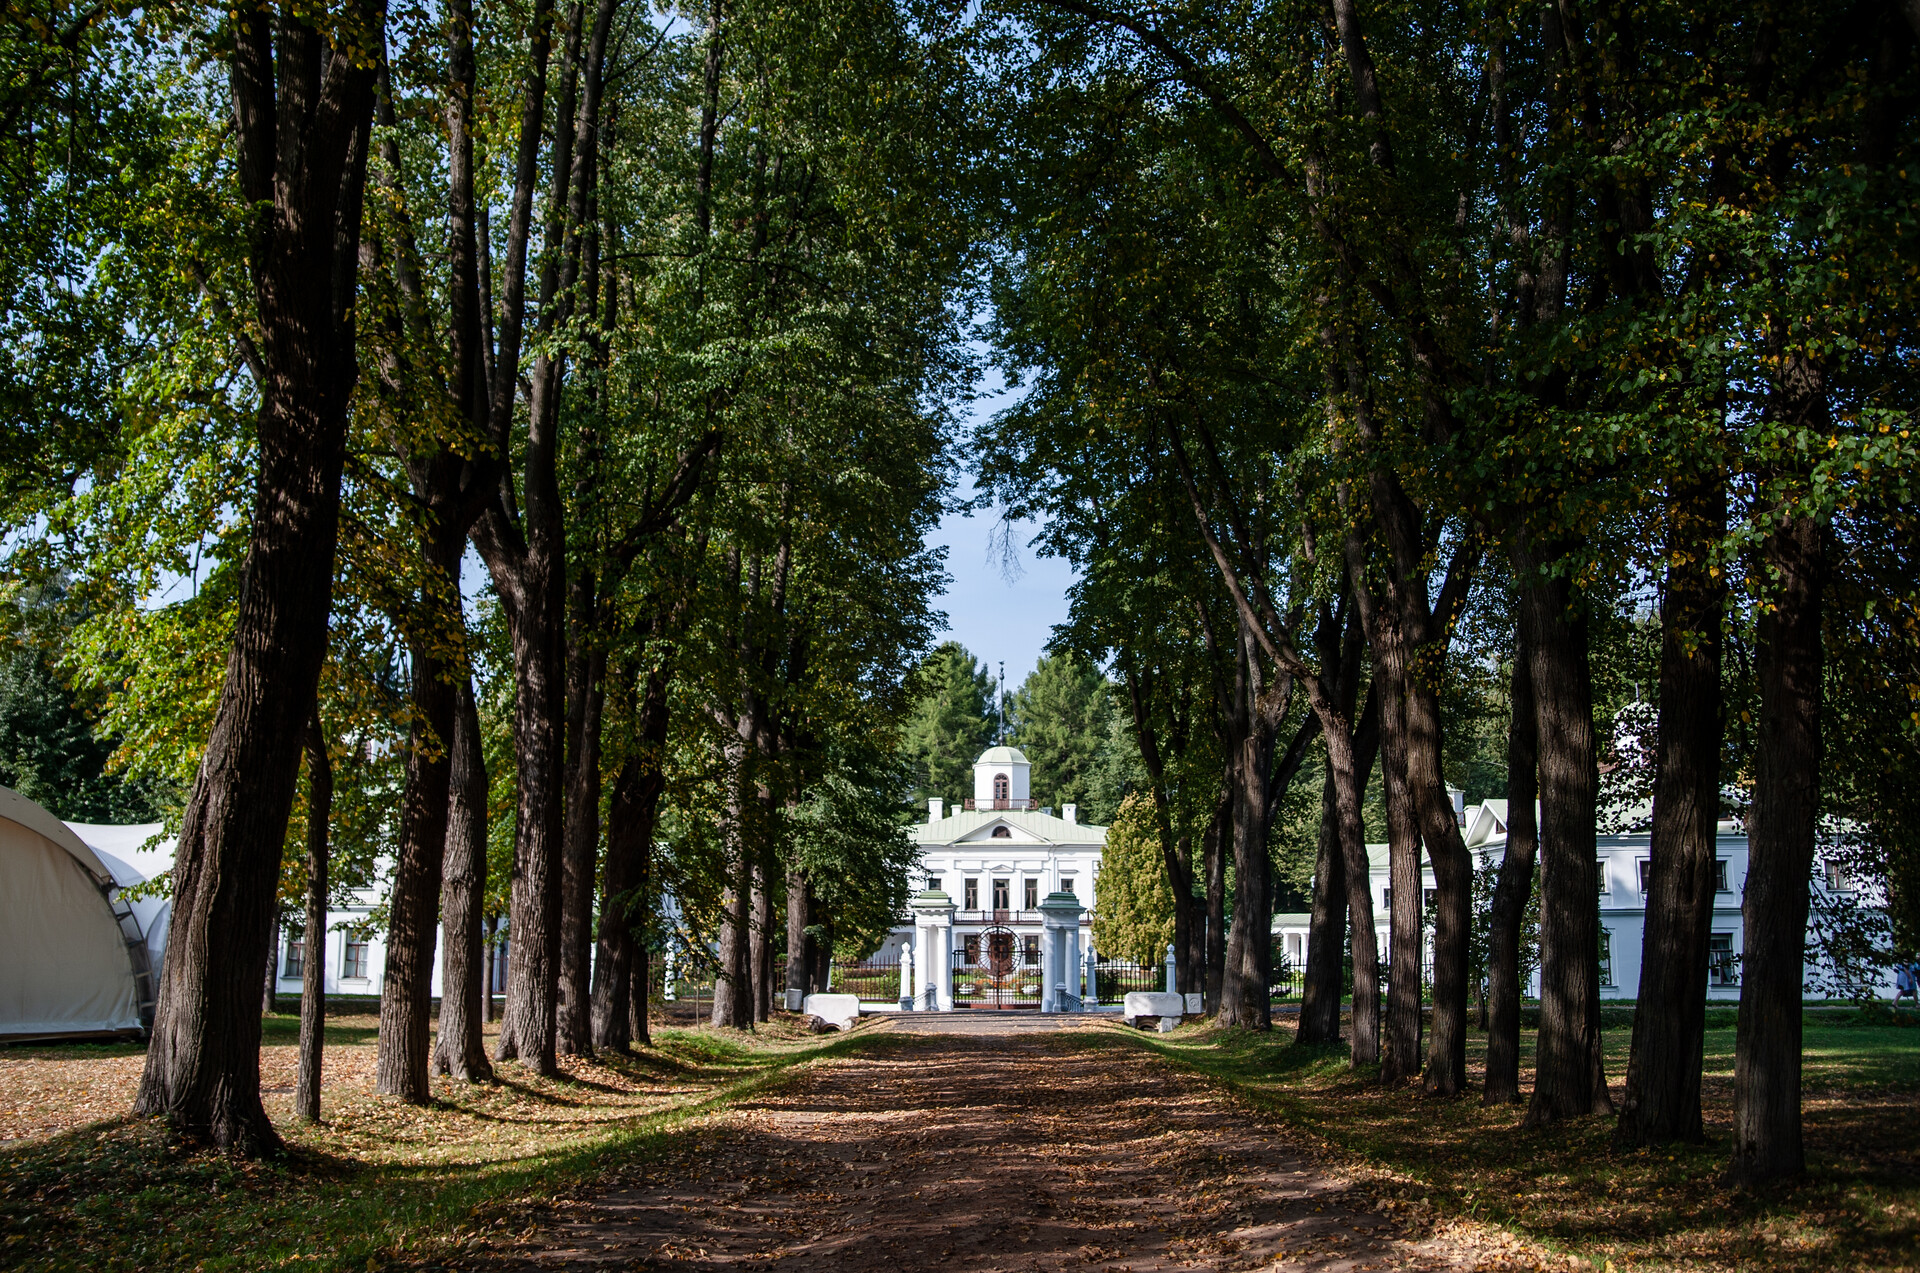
[1000, 788]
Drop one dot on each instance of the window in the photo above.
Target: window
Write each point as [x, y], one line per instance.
[1002, 895]
[972, 888]
[1030, 949]
[1386, 899]
[296, 954]
[1606, 955]
[1646, 877]
[1721, 960]
[1001, 833]
[971, 957]
[1837, 880]
[1033, 894]
[1720, 884]
[1000, 788]
[1066, 884]
[1600, 874]
[933, 884]
[1427, 895]
[353, 963]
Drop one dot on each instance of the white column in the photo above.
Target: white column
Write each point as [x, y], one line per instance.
[906, 977]
[1173, 972]
[933, 963]
[1060, 971]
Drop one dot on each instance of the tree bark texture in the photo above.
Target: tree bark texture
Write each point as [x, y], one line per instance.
[313, 967]
[1513, 890]
[1662, 1101]
[459, 1049]
[1569, 1080]
[1255, 706]
[586, 692]
[763, 869]
[1320, 990]
[799, 915]
[1789, 662]
[733, 985]
[203, 1065]
[632, 816]
[406, 992]
[1400, 1051]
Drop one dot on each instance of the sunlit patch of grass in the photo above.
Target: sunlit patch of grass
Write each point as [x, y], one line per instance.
[1857, 1208]
[380, 1182]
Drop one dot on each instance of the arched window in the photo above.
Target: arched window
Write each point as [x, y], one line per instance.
[1000, 789]
[1001, 833]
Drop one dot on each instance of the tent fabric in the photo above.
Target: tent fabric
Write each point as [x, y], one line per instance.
[66, 965]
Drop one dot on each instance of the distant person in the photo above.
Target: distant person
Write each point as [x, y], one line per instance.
[1906, 983]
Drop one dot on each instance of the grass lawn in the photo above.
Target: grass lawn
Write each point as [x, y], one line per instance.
[82, 1186]
[1858, 1207]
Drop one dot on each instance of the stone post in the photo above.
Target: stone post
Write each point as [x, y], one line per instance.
[933, 962]
[1059, 949]
[1091, 999]
[1173, 972]
[667, 991]
[906, 978]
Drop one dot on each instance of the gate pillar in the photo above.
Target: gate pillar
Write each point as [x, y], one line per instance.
[933, 958]
[1060, 953]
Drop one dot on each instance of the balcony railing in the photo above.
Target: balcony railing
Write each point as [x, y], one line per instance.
[996, 917]
[983, 805]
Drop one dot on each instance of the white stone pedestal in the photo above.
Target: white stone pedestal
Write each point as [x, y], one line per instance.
[933, 952]
[1060, 953]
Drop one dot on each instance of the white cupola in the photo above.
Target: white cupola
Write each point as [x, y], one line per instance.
[1000, 779]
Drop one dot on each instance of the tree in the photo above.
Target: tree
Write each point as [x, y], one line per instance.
[203, 1069]
[951, 723]
[1060, 715]
[1133, 904]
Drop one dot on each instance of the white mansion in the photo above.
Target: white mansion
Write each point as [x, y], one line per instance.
[999, 913]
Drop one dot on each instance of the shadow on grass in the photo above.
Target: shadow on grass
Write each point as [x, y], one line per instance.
[1857, 1208]
[121, 1195]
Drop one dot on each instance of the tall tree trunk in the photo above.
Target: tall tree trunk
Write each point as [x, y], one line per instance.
[1213, 853]
[632, 817]
[1320, 985]
[491, 977]
[586, 692]
[203, 1065]
[313, 968]
[733, 984]
[1446, 1072]
[1568, 1078]
[1253, 718]
[1400, 1053]
[799, 915]
[763, 934]
[273, 970]
[460, 1049]
[1786, 794]
[1662, 1101]
[406, 991]
[1513, 889]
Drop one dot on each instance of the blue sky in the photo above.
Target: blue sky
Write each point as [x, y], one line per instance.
[996, 612]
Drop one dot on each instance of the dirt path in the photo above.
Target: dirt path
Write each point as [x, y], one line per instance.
[984, 1145]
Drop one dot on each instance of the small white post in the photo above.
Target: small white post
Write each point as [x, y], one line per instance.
[1173, 972]
[906, 978]
[668, 978]
[1092, 998]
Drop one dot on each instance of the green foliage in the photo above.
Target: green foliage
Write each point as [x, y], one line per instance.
[1133, 905]
[1061, 719]
[951, 723]
[49, 750]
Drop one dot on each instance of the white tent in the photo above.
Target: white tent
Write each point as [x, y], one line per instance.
[73, 956]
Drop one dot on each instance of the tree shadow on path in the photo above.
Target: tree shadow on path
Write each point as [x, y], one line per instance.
[978, 1151]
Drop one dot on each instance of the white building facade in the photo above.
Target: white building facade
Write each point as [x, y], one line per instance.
[1620, 871]
[1001, 914]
